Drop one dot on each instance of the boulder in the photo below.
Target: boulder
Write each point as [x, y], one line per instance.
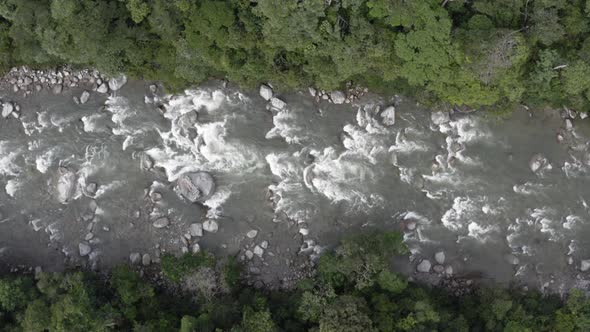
[304, 231]
[411, 225]
[117, 83]
[66, 185]
[439, 257]
[7, 109]
[568, 124]
[196, 229]
[146, 259]
[196, 186]
[91, 188]
[258, 251]
[266, 92]
[277, 103]
[210, 226]
[249, 254]
[195, 248]
[57, 89]
[84, 97]
[424, 266]
[585, 265]
[583, 115]
[252, 234]
[337, 97]
[264, 244]
[388, 116]
[155, 196]
[103, 88]
[438, 268]
[161, 222]
[135, 258]
[84, 249]
[449, 270]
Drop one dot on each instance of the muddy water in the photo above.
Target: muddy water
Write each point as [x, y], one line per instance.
[302, 177]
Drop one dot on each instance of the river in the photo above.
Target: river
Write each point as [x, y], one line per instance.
[291, 182]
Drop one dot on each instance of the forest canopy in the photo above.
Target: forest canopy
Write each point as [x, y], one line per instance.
[354, 290]
[476, 53]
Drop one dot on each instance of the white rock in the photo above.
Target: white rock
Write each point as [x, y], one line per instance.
[388, 116]
[196, 248]
[304, 231]
[161, 222]
[583, 115]
[210, 226]
[249, 254]
[117, 83]
[135, 258]
[196, 229]
[264, 244]
[7, 108]
[312, 91]
[439, 257]
[337, 97]
[424, 266]
[103, 88]
[449, 270]
[411, 225]
[258, 251]
[84, 249]
[84, 97]
[252, 234]
[88, 236]
[277, 103]
[146, 259]
[585, 265]
[265, 92]
[568, 124]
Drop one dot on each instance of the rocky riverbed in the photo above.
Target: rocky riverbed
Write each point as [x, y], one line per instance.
[98, 171]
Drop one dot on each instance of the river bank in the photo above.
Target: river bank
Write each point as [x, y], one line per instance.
[90, 179]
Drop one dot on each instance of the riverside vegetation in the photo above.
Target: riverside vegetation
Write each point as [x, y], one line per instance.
[353, 290]
[491, 54]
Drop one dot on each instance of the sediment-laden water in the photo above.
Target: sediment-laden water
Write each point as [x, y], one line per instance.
[95, 183]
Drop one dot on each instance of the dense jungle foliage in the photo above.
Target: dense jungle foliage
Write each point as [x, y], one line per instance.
[492, 54]
[353, 291]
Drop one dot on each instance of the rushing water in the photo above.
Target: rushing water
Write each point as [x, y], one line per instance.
[302, 177]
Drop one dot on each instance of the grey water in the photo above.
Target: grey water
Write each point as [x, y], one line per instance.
[504, 199]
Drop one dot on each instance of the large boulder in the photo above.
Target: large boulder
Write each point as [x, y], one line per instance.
[265, 92]
[66, 185]
[84, 97]
[117, 83]
[197, 186]
[277, 103]
[7, 109]
[84, 249]
[103, 88]
[585, 265]
[337, 97]
[388, 116]
[439, 257]
[424, 266]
